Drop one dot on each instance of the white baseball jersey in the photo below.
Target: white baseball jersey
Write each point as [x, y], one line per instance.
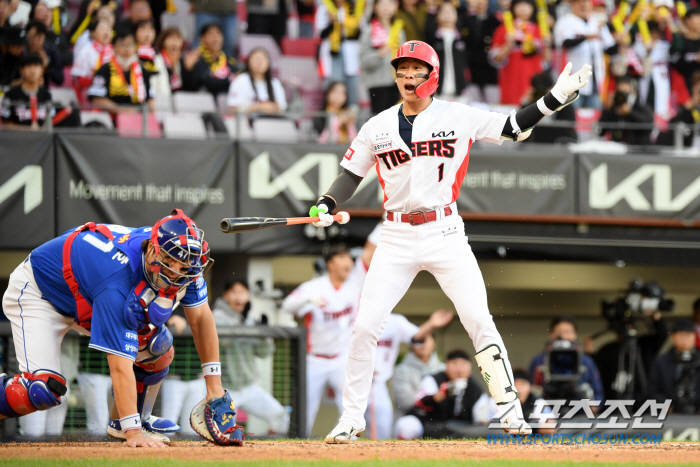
[328, 327]
[430, 174]
[398, 330]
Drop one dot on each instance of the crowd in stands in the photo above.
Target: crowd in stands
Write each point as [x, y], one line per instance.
[121, 55]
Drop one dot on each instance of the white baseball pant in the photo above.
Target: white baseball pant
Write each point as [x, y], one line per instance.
[380, 412]
[178, 398]
[439, 247]
[257, 401]
[320, 371]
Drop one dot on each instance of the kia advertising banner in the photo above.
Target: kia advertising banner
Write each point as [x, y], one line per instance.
[27, 215]
[135, 182]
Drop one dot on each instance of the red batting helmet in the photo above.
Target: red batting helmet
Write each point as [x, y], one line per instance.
[423, 52]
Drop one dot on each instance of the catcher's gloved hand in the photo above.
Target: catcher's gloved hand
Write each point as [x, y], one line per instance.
[324, 218]
[568, 84]
[215, 421]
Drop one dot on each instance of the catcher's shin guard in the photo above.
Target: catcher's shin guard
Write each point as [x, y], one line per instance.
[30, 391]
[496, 372]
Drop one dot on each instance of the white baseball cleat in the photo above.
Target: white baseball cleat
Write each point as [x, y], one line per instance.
[342, 433]
[516, 426]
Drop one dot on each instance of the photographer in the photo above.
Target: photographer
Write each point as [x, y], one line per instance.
[625, 109]
[675, 374]
[563, 371]
[443, 397]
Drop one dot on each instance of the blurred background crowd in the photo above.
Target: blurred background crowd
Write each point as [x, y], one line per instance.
[324, 64]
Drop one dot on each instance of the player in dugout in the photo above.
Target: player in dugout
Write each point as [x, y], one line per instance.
[420, 149]
[118, 285]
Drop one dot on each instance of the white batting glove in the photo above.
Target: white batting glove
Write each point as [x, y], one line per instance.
[568, 84]
[324, 219]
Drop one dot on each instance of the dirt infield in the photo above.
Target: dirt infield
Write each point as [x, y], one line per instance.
[361, 450]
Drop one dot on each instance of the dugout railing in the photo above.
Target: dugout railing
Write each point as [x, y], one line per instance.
[282, 373]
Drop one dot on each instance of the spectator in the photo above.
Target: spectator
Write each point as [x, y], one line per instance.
[242, 354]
[625, 109]
[139, 10]
[13, 42]
[337, 126]
[675, 374]
[521, 380]
[413, 13]
[19, 13]
[255, 91]
[445, 38]
[685, 51]
[648, 345]
[170, 46]
[542, 83]
[36, 44]
[54, 36]
[452, 395]
[584, 38]
[4, 16]
[26, 104]
[151, 61]
[92, 57]
[563, 328]
[655, 82]
[378, 45]
[220, 12]
[480, 26]
[688, 113]
[339, 53]
[397, 330]
[208, 66]
[306, 10]
[90, 11]
[420, 362]
[121, 85]
[268, 17]
[518, 54]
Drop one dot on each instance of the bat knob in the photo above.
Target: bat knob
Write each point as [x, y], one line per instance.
[344, 217]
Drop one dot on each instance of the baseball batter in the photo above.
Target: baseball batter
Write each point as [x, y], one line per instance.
[328, 304]
[420, 149]
[119, 285]
[398, 330]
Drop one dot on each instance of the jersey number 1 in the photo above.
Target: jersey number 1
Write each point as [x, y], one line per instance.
[441, 168]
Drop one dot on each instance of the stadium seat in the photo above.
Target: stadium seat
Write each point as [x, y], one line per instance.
[238, 129]
[249, 42]
[64, 96]
[193, 102]
[222, 103]
[312, 99]
[98, 116]
[275, 129]
[184, 125]
[130, 125]
[585, 117]
[300, 72]
[302, 47]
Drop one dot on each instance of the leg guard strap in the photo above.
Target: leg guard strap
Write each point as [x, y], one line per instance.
[492, 364]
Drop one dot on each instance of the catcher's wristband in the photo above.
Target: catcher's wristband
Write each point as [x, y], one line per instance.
[211, 369]
[130, 422]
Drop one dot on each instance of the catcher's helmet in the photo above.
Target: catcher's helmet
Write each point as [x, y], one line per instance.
[423, 52]
[180, 239]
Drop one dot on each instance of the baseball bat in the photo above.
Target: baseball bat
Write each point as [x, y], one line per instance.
[250, 224]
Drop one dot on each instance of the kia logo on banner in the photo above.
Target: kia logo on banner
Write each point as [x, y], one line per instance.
[30, 179]
[632, 186]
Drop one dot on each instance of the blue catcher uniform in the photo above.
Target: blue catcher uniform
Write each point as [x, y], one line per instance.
[110, 303]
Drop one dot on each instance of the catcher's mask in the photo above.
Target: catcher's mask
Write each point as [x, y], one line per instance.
[182, 254]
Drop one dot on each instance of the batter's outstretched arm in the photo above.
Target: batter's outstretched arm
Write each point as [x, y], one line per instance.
[341, 190]
[520, 124]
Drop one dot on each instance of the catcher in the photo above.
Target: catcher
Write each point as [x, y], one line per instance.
[119, 285]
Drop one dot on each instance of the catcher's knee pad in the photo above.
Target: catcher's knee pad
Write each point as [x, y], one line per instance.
[492, 364]
[156, 350]
[145, 379]
[28, 392]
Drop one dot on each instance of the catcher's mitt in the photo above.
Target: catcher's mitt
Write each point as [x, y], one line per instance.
[215, 421]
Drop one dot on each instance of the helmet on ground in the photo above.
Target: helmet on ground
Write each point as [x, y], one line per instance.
[179, 242]
[421, 51]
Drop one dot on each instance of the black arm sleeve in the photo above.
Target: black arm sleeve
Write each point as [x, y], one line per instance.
[341, 190]
[569, 43]
[530, 115]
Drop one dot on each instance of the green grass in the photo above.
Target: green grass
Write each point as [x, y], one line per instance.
[314, 463]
